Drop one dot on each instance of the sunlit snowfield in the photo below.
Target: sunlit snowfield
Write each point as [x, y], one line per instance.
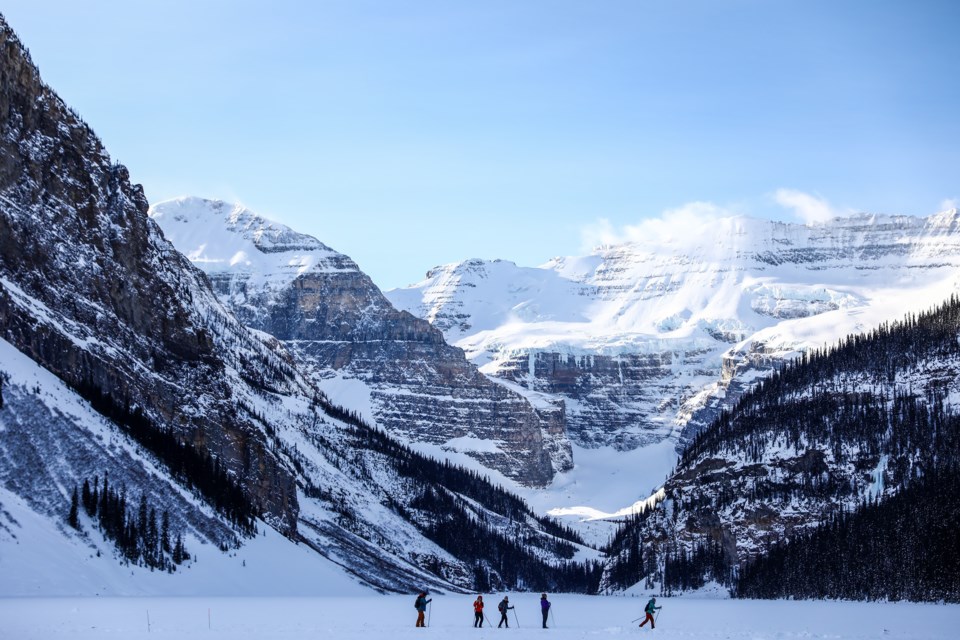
[393, 617]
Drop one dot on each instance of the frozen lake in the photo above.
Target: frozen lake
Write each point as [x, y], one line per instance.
[392, 618]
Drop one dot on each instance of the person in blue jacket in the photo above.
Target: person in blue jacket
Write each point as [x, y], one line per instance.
[421, 606]
[544, 608]
[649, 610]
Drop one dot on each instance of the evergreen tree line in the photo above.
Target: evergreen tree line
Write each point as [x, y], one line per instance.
[683, 570]
[861, 373]
[424, 469]
[674, 568]
[849, 405]
[4, 379]
[197, 469]
[136, 533]
[500, 560]
[906, 547]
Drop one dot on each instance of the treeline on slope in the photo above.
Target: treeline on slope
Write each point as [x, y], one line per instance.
[4, 379]
[137, 535]
[674, 568]
[904, 548]
[836, 376]
[850, 402]
[197, 469]
[510, 562]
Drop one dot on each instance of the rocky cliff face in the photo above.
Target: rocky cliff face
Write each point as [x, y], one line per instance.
[338, 325]
[91, 290]
[650, 339]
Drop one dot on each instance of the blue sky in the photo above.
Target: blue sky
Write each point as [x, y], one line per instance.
[411, 134]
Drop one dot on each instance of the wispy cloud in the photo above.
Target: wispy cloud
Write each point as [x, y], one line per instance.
[673, 225]
[950, 203]
[807, 208]
[697, 223]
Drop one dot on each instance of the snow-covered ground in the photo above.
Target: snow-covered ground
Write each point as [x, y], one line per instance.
[373, 617]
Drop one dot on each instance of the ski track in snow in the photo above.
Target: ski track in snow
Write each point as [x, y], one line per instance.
[375, 617]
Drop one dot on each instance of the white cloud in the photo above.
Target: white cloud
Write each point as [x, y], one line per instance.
[808, 208]
[950, 203]
[683, 225]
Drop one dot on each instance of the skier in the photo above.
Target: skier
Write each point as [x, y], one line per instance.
[649, 609]
[503, 607]
[421, 605]
[478, 612]
[544, 608]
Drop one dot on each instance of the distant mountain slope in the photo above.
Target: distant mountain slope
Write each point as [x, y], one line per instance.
[341, 329]
[648, 340]
[862, 421]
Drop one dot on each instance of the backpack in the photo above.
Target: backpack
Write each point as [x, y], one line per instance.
[502, 607]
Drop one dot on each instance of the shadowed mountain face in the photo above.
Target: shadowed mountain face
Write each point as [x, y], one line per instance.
[90, 290]
[340, 327]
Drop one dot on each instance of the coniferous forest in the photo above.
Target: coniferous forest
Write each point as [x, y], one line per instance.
[904, 548]
[141, 536]
[868, 431]
[501, 544]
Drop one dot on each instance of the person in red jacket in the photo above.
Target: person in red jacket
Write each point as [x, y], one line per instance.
[478, 612]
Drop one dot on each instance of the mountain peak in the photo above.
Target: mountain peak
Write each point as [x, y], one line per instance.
[266, 236]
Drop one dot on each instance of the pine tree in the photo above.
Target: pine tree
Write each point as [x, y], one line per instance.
[165, 532]
[73, 519]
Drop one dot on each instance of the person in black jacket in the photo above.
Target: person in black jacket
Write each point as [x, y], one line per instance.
[503, 607]
[545, 608]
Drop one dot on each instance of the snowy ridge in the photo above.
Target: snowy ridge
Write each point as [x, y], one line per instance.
[227, 237]
[340, 328]
[645, 340]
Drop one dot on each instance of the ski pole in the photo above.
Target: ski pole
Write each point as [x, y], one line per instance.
[656, 617]
[429, 612]
[635, 619]
[515, 618]
[553, 620]
[487, 619]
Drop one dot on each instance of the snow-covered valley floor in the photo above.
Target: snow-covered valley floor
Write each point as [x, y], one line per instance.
[392, 617]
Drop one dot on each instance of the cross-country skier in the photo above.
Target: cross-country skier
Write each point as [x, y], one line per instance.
[649, 609]
[478, 612]
[503, 607]
[421, 605]
[544, 608]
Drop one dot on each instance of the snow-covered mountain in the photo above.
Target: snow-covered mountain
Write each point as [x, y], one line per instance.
[859, 442]
[121, 367]
[646, 340]
[394, 368]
